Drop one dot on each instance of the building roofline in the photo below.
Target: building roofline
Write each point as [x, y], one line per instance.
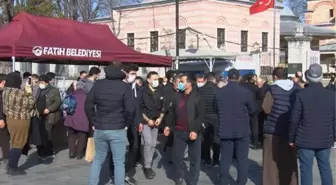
[162, 2]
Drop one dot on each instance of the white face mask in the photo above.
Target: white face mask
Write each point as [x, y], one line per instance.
[42, 86]
[200, 84]
[155, 83]
[131, 78]
[164, 83]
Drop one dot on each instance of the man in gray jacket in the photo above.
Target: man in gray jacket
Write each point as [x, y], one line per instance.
[90, 80]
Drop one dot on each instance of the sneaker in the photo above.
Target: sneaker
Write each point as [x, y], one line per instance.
[111, 181]
[43, 158]
[149, 173]
[130, 180]
[207, 163]
[334, 147]
[179, 181]
[15, 172]
[216, 164]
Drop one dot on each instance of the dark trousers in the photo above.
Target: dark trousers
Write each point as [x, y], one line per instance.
[210, 139]
[133, 155]
[254, 125]
[4, 143]
[46, 148]
[79, 137]
[239, 146]
[261, 119]
[306, 158]
[181, 141]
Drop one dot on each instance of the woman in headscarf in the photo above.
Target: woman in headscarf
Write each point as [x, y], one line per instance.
[78, 124]
[18, 106]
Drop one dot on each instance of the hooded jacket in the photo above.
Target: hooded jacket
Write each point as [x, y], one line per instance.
[277, 104]
[110, 105]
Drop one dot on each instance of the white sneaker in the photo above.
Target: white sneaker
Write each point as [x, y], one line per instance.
[334, 147]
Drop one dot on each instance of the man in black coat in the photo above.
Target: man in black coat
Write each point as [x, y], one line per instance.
[109, 111]
[170, 95]
[186, 118]
[4, 135]
[235, 106]
[312, 127]
[210, 124]
[254, 124]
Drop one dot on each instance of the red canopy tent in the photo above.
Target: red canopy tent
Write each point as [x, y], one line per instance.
[51, 40]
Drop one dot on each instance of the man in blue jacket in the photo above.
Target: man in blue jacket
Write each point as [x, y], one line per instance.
[312, 127]
[235, 107]
[279, 160]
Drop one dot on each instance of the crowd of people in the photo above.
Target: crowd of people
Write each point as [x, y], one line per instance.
[216, 119]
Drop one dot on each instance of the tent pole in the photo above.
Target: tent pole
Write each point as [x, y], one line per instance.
[13, 63]
[211, 62]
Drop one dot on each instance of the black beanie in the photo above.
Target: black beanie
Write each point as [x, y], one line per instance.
[13, 80]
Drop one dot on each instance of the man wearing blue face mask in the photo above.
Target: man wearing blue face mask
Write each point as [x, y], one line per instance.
[152, 109]
[186, 118]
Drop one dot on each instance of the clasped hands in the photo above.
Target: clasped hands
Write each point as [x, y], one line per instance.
[192, 135]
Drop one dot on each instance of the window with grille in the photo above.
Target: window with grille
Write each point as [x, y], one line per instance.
[264, 41]
[243, 41]
[130, 40]
[220, 38]
[182, 39]
[154, 41]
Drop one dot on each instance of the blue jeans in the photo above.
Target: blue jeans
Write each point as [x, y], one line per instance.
[105, 139]
[306, 157]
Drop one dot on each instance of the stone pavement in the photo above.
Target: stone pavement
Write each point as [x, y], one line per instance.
[63, 171]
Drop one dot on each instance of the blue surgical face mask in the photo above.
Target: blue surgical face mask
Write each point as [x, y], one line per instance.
[180, 86]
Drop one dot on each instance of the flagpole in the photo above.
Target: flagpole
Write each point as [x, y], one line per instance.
[274, 30]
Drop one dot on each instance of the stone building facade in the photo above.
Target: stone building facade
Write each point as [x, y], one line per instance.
[226, 25]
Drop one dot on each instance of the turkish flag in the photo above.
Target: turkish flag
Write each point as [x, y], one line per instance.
[261, 5]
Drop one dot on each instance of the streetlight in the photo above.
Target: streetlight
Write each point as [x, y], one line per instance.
[177, 17]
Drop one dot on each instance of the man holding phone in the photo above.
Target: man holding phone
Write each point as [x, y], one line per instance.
[186, 116]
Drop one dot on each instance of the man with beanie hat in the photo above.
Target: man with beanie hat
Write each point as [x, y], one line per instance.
[109, 111]
[312, 127]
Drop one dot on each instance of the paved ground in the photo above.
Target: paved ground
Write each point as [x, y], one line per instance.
[64, 171]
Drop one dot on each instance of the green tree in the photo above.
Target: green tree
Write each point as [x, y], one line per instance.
[36, 7]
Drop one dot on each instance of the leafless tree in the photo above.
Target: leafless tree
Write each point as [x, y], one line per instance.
[113, 9]
[7, 7]
[298, 7]
[89, 9]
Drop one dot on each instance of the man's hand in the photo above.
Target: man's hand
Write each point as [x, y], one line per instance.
[140, 128]
[93, 128]
[151, 123]
[166, 131]
[2, 124]
[46, 111]
[192, 136]
[292, 145]
[158, 122]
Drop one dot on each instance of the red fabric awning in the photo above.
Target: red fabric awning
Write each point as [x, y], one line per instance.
[49, 39]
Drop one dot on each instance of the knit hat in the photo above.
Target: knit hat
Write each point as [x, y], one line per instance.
[314, 74]
[44, 78]
[80, 84]
[13, 80]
